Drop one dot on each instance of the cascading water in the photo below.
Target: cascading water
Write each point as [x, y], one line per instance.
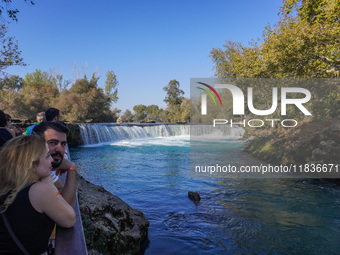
[95, 133]
[102, 133]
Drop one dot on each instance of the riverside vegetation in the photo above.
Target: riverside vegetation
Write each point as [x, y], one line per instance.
[304, 43]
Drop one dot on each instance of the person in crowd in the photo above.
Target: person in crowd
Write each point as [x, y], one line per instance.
[11, 128]
[53, 114]
[29, 202]
[55, 135]
[5, 135]
[40, 117]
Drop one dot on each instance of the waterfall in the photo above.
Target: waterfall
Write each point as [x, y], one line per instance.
[95, 133]
[102, 133]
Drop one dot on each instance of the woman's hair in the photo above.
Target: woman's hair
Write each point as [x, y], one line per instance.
[18, 159]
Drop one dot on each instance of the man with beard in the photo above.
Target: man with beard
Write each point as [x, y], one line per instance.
[54, 134]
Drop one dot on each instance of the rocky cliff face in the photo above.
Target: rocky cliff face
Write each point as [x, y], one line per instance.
[74, 138]
[110, 225]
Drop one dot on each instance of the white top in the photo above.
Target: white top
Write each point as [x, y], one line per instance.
[66, 155]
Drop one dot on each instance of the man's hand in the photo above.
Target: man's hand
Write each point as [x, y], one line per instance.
[64, 167]
[68, 191]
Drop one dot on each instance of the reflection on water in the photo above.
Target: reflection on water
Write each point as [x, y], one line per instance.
[234, 216]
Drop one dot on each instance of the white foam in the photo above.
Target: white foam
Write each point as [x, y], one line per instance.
[180, 141]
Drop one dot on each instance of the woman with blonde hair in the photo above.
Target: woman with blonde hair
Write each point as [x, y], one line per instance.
[30, 204]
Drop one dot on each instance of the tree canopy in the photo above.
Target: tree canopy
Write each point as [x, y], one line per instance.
[10, 55]
[173, 93]
[111, 84]
[86, 101]
[40, 90]
[305, 42]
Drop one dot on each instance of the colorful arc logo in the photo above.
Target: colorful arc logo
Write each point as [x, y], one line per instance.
[208, 92]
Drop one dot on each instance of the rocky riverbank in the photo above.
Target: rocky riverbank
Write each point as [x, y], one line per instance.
[311, 142]
[110, 225]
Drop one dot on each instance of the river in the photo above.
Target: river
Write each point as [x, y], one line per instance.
[148, 167]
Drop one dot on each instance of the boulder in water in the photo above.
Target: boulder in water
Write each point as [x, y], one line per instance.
[194, 196]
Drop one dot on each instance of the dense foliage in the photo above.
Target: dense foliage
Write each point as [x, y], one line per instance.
[304, 43]
[24, 98]
[84, 101]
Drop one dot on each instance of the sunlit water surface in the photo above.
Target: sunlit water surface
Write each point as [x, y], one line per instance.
[234, 216]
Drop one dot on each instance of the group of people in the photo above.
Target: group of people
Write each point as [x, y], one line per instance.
[32, 198]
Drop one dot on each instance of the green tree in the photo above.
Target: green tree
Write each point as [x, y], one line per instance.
[37, 97]
[185, 110]
[111, 84]
[177, 113]
[85, 101]
[127, 116]
[140, 113]
[302, 45]
[321, 11]
[11, 102]
[12, 82]
[10, 55]
[173, 93]
[84, 85]
[9, 52]
[164, 116]
[40, 77]
[152, 113]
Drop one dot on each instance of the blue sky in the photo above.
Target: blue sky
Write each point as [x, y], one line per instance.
[146, 43]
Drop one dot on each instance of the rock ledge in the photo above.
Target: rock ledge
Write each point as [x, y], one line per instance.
[110, 225]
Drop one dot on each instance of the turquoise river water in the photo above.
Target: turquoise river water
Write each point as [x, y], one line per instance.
[235, 216]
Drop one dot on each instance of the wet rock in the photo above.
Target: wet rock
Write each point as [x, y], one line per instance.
[110, 225]
[194, 196]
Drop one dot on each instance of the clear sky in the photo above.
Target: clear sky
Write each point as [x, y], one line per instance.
[146, 43]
